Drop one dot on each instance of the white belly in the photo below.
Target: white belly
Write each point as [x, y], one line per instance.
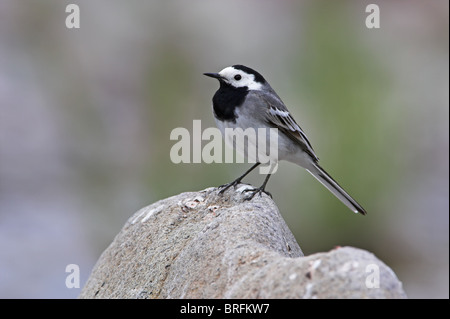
[253, 144]
[276, 148]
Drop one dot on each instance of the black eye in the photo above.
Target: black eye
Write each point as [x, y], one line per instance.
[237, 77]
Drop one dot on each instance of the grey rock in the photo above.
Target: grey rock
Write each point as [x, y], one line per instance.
[204, 245]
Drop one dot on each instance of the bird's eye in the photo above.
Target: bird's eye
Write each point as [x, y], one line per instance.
[237, 77]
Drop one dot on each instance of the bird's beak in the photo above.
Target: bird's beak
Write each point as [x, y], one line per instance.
[214, 75]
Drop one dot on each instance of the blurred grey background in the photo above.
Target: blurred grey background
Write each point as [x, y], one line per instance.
[86, 114]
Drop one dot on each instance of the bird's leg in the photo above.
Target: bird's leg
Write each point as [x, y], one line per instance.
[259, 190]
[237, 181]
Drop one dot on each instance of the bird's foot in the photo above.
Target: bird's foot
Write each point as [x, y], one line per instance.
[226, 186]
[255, 191]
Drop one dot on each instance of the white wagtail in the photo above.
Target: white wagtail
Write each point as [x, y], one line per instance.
[246, 100]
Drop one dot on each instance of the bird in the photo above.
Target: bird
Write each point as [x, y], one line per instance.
[246, 100]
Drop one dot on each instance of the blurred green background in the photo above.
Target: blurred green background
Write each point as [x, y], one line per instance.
[86, 115]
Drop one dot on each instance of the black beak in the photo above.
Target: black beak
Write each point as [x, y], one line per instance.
[214, 75]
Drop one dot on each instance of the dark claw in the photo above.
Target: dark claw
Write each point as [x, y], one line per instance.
[226, 186]
[256, 191]
[238, 180]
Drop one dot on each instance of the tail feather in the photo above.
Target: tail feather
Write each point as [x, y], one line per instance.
[327, 181]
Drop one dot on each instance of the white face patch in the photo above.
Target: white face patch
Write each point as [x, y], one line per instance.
[246, 79]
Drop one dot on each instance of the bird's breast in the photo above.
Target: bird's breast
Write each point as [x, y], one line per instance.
[225, 102]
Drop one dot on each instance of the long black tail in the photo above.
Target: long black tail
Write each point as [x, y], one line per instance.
[327, 181]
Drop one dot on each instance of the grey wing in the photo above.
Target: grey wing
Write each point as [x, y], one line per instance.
[278, 115]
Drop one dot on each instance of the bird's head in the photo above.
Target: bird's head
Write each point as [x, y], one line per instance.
[239, 76]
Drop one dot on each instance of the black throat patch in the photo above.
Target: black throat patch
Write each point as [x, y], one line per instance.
[226, 100]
